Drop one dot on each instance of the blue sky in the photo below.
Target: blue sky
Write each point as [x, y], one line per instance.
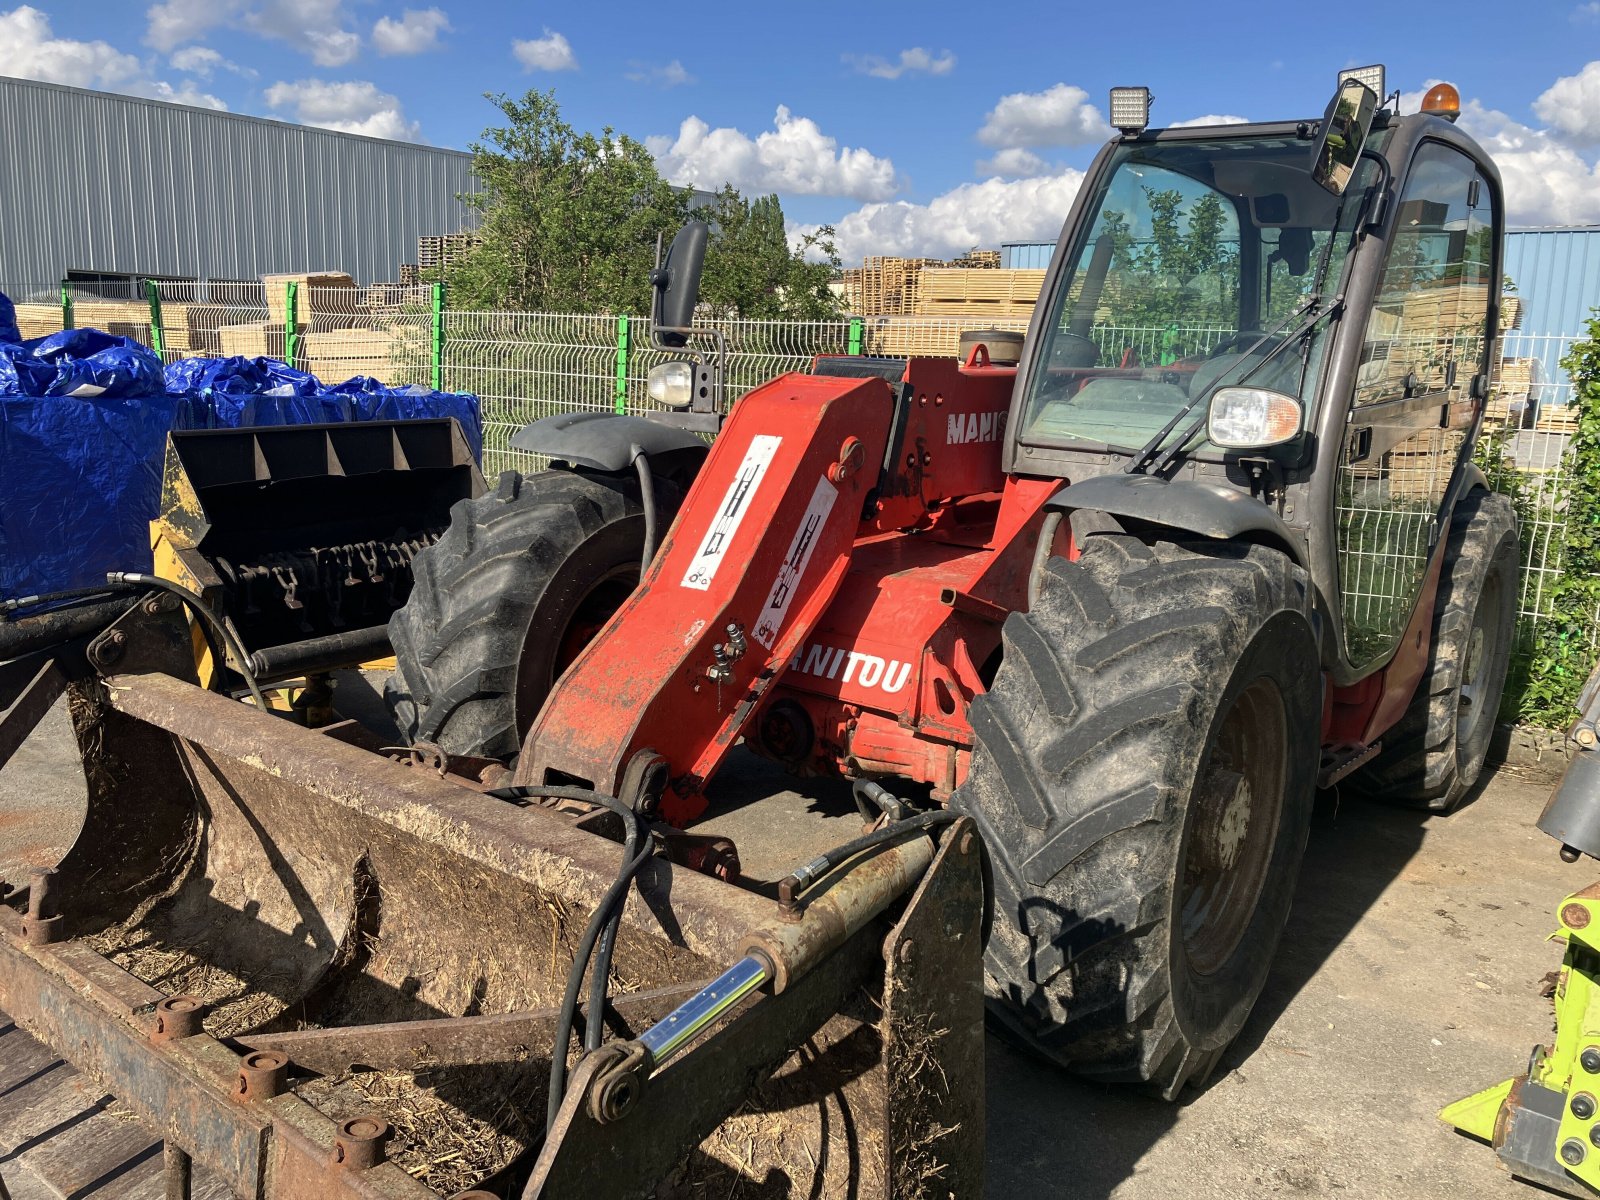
[913, 128]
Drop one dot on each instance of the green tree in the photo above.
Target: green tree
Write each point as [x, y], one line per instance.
[570, 219]
[751, 271]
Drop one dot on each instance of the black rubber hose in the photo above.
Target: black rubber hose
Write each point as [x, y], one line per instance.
[101, 589]
[647, 497]
[613, 899]
[803, 877]
[201, 611]
[594, 1018]
[606, 916]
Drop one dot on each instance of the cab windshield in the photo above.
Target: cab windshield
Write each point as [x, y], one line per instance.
[1197, 249]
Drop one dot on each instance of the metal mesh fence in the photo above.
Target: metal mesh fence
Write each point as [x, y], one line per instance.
[528, 365]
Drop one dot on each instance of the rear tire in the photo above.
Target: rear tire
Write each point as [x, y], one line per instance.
[518, 584]
[1143, 774]
[1435, 752]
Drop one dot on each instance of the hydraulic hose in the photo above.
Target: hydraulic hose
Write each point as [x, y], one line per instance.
[601, 930]
[647, 497]
[790, 887]
[202, 611]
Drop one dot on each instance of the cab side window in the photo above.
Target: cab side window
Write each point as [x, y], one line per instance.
[1413, 402]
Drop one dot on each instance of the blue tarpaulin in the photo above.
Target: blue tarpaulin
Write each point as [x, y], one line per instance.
[80, 363]
[84, 418]
[8, 320]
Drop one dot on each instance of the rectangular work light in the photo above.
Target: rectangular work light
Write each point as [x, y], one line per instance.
[1130, 108]
[1371, 76]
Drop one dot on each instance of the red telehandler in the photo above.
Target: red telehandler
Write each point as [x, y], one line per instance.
[1126, 595]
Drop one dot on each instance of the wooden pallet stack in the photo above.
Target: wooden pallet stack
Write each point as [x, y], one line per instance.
[885, 287]
[961, 294]
[983, 260]
[440, 252]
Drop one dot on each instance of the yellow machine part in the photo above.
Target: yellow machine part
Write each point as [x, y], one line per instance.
[1569, 1068]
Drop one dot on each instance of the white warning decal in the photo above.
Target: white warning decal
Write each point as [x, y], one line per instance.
[735, 504]
[794, 563]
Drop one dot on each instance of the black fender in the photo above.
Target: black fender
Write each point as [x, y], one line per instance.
[1186, 505]
[610, 442]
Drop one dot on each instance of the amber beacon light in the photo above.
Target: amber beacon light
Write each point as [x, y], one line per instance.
[1442, 100]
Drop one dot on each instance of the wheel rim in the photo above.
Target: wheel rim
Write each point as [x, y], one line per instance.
[596, 606]
[1233, 826]
[1474, 698]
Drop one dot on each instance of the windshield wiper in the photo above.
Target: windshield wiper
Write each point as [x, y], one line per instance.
[1151, 459]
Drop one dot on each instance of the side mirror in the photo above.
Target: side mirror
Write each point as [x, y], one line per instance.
[1344, 132]
[676, 284]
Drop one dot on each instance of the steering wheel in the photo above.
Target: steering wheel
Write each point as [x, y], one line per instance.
[1240, 342]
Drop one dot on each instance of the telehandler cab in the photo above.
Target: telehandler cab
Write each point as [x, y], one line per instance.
[1086, 619]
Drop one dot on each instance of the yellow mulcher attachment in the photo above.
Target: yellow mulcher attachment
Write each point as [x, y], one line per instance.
[316, 968]
[1545, 1124]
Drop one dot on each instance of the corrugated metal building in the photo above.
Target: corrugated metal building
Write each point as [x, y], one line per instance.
[1557, 275]
[103, 184]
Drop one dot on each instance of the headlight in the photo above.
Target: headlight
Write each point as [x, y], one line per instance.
[671, 384]
[1247, 416]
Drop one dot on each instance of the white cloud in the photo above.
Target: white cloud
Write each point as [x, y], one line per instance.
[314, 27]
[30, 50]
[1572, 104]
[552, 52]
[173, 22]
[1546, 181]
[671, 75]
[203, 62]
[416, 32]
[356, 106]
[1013, 162]
[794, 157]
[1587, 12]
[1058, 116]
[974, 214]
[915, 61]
[1210, 119]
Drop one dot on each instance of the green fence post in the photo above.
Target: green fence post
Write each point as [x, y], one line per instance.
[66, 306]
[438, 337]
[622, 364]
[855, 335]
[158, 341]
[291, 321]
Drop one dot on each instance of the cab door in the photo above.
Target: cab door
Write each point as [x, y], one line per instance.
[1415, 397]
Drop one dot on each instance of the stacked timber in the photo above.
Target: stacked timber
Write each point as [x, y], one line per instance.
[320, 293]
[965, 295]
[38, 320]
[899, 337]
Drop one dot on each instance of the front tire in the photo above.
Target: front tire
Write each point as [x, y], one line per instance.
[505, 600]
[1143, 773]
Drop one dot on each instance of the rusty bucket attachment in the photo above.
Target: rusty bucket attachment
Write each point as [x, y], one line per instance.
[318, 972]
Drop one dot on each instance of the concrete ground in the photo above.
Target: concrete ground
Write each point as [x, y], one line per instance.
[1409, 977]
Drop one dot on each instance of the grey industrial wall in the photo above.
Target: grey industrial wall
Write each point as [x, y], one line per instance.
[94, 181]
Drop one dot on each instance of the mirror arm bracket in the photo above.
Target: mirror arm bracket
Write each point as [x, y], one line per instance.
[1380, 200]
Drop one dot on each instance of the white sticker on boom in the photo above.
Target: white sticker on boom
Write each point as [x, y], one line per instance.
[794, 563]
[735, 504]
